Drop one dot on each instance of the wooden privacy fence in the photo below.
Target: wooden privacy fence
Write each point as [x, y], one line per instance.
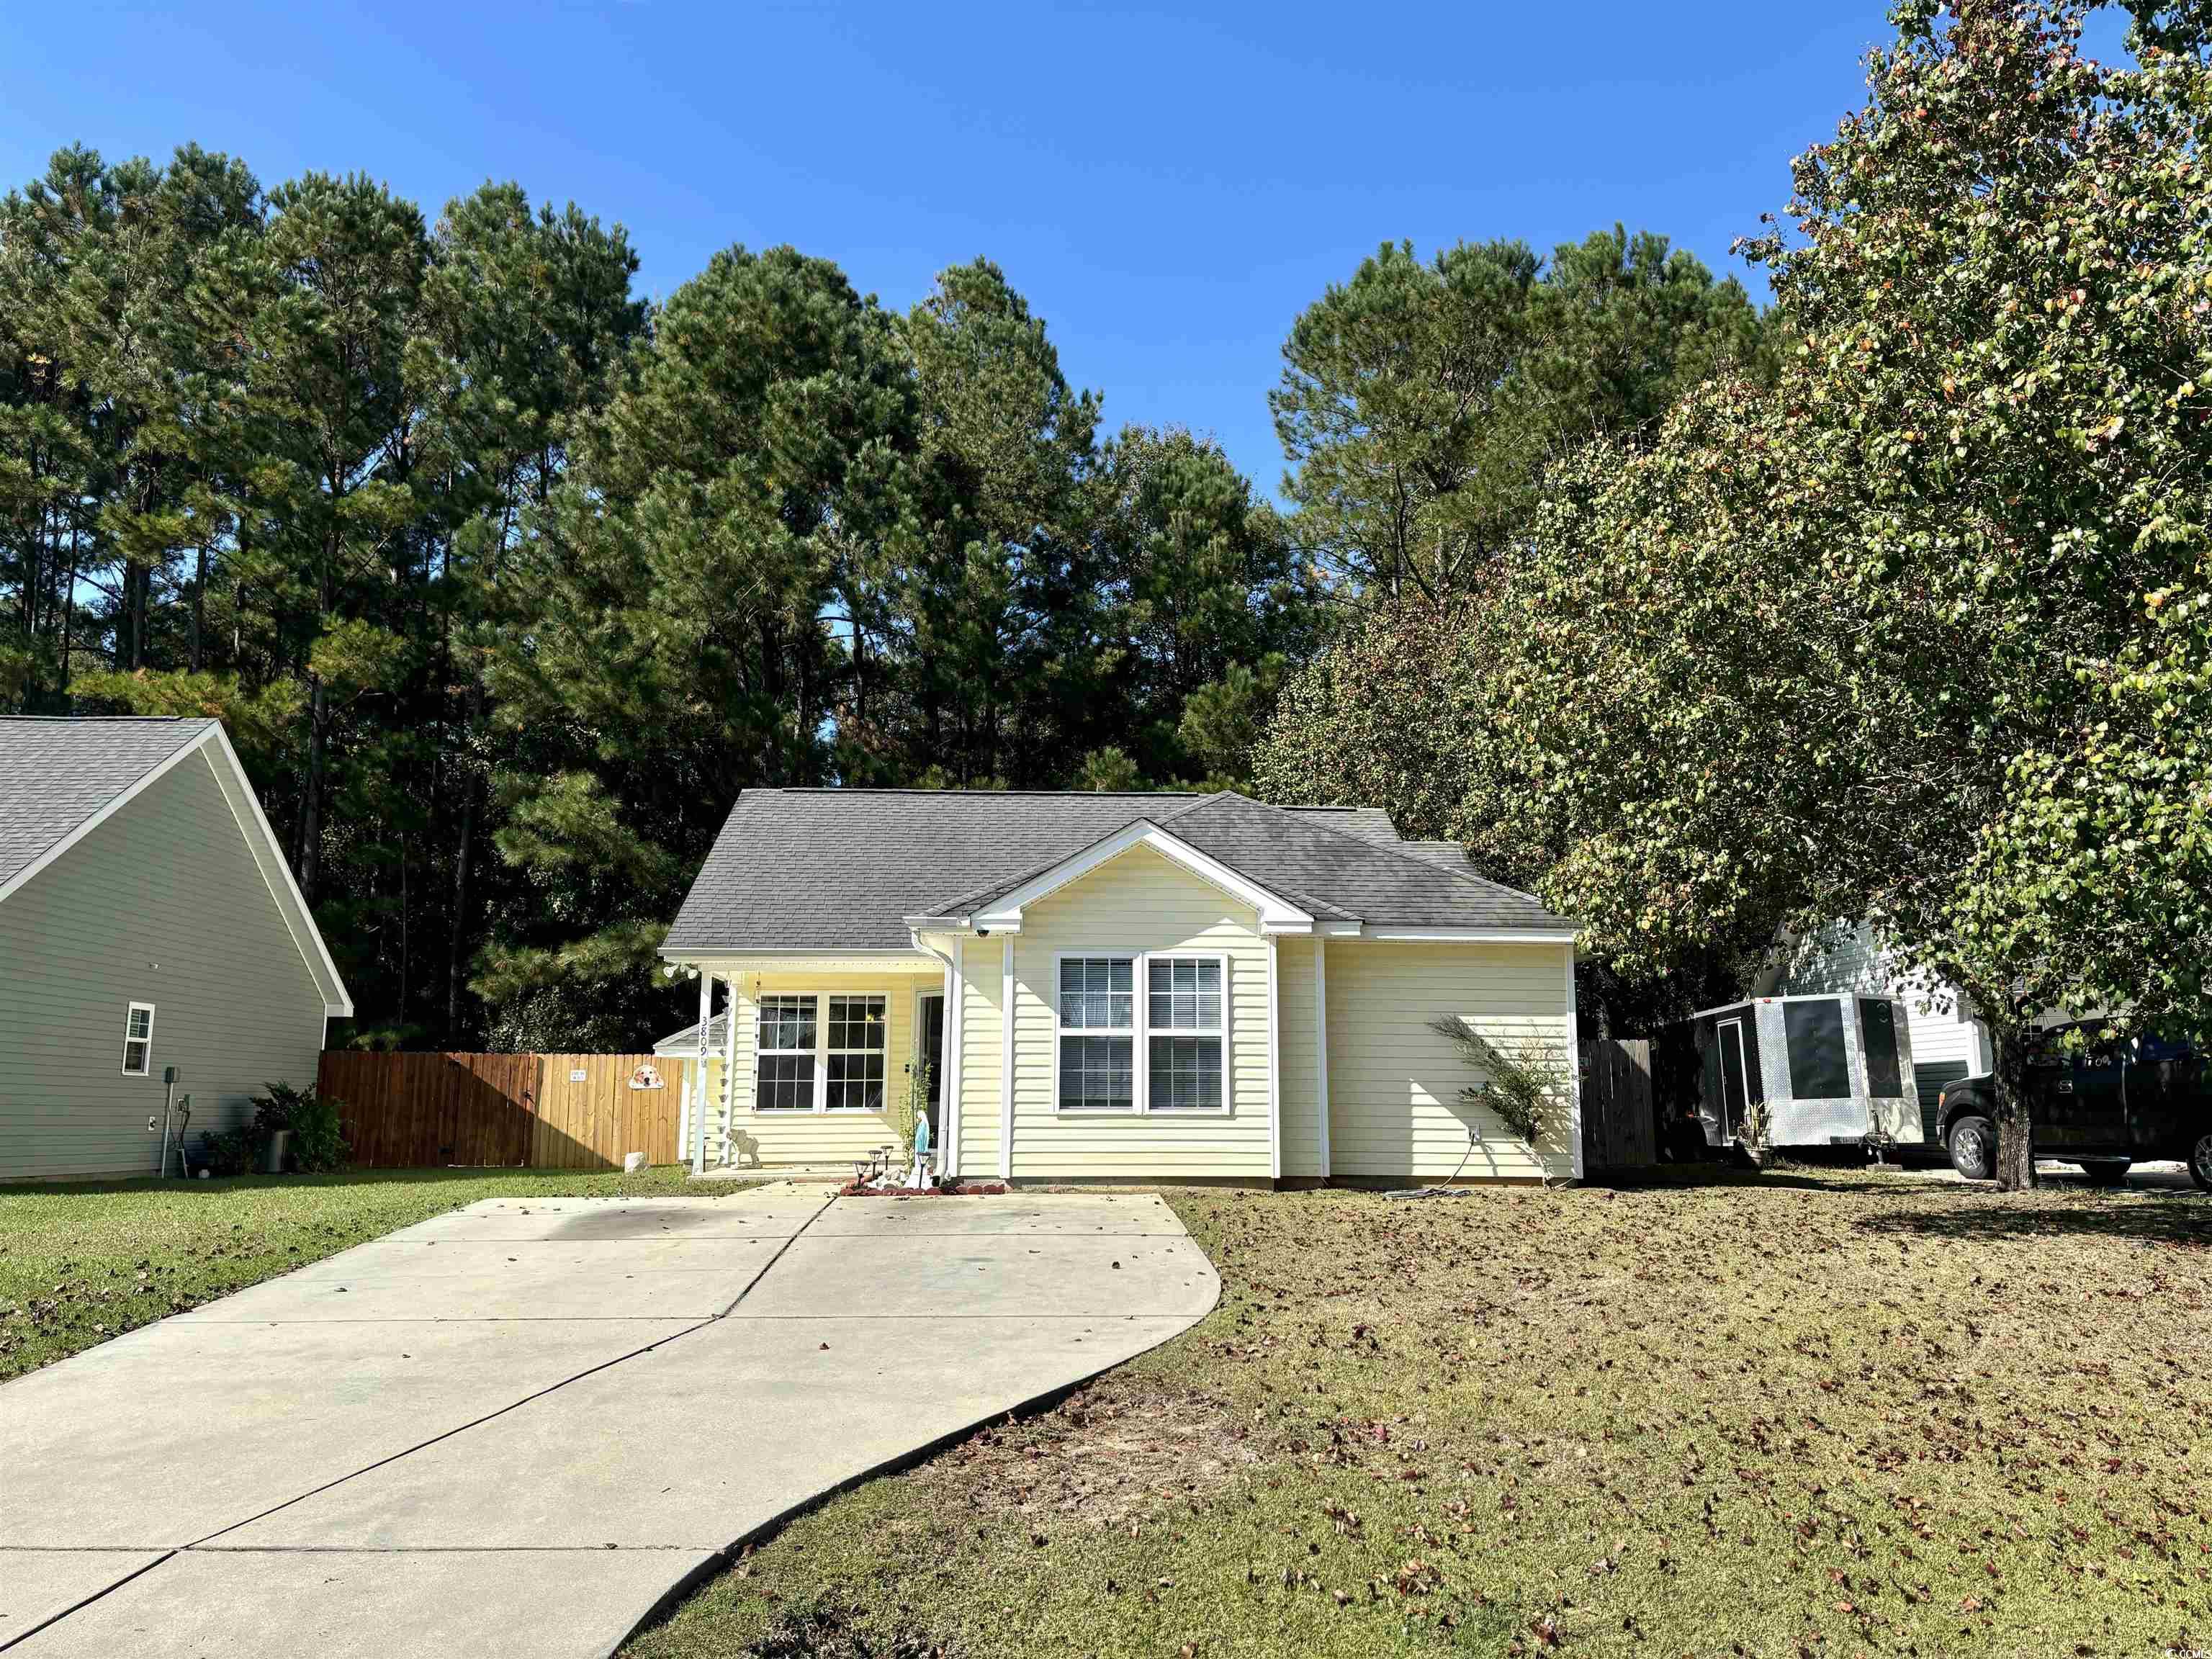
[414, 1111]
[1619, 1129]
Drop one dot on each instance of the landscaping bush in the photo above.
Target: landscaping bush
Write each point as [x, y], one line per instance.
[232, 1151]
[319, 1141]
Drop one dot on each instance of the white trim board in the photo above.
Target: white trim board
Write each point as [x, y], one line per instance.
[1277, 913]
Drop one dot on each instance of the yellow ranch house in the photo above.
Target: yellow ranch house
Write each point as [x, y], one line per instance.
[1110, 988]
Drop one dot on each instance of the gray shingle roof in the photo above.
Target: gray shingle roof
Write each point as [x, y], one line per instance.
[841, 869]
[56, 774]
[1370, 822]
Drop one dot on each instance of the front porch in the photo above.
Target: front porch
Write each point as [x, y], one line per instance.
[822, 1059]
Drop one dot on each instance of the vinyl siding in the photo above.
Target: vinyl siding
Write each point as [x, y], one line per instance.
[163, 903]
[1395, 1111]
[981, 973]
[1301, 1084]
[1136, 903]
[737, 1133]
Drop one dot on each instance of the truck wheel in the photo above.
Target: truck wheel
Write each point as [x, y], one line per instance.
[1972, 1143]
[2200, 1163]
[2106, 1172]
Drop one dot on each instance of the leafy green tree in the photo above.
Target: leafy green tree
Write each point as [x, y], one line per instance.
[1922, 633]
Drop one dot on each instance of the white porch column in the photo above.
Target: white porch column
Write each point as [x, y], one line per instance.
[698, 1091]
[1274, 1056]
[1321, 1046]
[729, 1063]
[1007, 1061]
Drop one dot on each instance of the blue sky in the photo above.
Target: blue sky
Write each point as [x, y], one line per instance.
[1170, 188]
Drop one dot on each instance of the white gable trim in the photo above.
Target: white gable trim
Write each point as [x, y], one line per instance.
[260, 840]
[276, 872]
[1277, 913]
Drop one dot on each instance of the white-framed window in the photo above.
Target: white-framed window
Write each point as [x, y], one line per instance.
[1186, 1021]
[1097, 1038]
[1143, 1032]
[858, 1038]
[785, 1032]
[138, 1040]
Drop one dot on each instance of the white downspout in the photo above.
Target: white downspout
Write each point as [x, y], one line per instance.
[699, 1082]
[1006, 1065]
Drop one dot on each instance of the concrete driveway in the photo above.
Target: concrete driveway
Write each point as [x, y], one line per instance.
[525, 1427]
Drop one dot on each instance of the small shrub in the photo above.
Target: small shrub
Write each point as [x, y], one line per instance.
[1520, 1084]
[232, 1151]
[319, 1141]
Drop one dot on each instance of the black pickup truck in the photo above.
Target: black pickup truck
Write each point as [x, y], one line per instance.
[2117, 1102]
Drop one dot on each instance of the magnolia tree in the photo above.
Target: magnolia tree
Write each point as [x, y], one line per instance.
[1924, 634]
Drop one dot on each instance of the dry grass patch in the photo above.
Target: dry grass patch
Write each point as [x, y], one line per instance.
[1114, 1453]
[1811, 1413]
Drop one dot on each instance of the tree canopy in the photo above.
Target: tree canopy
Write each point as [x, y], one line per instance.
[1918, 632]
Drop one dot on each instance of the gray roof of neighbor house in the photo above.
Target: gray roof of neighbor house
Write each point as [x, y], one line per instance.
[841, 869]
[58, 774]
[686, 1042]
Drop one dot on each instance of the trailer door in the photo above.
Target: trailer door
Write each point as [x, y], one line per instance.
[1735, 1095]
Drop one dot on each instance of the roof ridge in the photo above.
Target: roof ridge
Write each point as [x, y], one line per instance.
[980, 794]
[956, 905]
[1397, 849]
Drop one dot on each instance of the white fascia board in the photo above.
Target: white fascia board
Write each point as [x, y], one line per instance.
[886, 952]
[1339, 929]
[1474, 935]
[1276, 912]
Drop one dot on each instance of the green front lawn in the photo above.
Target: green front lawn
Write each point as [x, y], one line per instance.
[82, 1262]
[1806, 1413]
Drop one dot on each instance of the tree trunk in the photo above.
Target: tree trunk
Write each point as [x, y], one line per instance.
[2015, 1156]
[199, 605]
[69, 609]
[311, 797]
[457, 927]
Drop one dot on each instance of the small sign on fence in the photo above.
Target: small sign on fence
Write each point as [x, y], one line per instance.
[646, 1076]
[578, 1074]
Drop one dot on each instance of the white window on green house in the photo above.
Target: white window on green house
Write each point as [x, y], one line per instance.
[858, 1038]
[1097, 1034]
[784, 1054]
[1185, 1036]
[138, 1040]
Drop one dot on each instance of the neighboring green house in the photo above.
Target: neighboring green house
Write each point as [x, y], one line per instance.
[147, 920]
[1110, 987]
